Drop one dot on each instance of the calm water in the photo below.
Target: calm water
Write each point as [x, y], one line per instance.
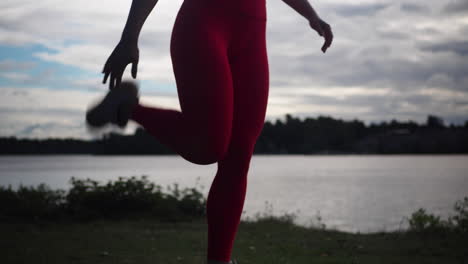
[351, 193]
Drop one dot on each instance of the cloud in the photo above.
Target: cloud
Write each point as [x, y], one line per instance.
[413, 8]
[36, 109]
[84, 56]
[456, 6]
[42, 76]
[398, 59]
[350, 10]
[40, 130]
[16, 76]
[42, 112]
[458, 47]
[369, 105]
[12, 65]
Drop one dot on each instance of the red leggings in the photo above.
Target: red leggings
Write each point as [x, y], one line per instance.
[221, 68]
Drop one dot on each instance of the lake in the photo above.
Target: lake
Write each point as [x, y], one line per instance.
[365, 193]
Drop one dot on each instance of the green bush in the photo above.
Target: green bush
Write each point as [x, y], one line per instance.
[133, 196]
[460, 220]
[31, 202]
[421, 221]
[88, 199]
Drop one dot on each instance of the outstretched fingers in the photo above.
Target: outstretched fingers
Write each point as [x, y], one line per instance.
[116, 77]
[124, 53]
[112, 81]
[115, 72]
[106, 72]
[106, 75]
[134, 69]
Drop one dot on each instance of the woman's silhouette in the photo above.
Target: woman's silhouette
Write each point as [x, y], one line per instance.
[219, 57]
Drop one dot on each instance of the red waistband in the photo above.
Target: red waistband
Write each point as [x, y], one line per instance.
[248, 8]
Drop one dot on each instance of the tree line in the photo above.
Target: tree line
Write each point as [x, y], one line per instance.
[321, 135]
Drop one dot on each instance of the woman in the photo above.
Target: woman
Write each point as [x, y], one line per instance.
[219, 57]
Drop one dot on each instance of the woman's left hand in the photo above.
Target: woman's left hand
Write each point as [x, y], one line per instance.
[125, 52]
[324, 30]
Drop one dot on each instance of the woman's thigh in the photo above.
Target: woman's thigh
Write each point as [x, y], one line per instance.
[202, 71]
[250, 73]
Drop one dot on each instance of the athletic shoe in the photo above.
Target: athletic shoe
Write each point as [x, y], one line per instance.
[115, 108]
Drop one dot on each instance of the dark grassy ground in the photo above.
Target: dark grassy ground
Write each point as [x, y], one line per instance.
[261, 242]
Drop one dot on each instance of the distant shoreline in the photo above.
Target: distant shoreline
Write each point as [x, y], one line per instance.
[310, 136]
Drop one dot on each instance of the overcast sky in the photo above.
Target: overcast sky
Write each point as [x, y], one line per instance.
[398, 59]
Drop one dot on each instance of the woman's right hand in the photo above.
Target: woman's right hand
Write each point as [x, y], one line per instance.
[323, 29]
[125, 52]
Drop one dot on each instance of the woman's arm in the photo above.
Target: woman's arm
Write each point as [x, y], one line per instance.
[126, 51]
[139, 11]
[304, 8]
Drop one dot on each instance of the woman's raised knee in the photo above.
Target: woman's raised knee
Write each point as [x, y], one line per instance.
[208, 150]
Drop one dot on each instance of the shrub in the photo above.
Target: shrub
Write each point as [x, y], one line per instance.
[420, 221]
[133, 196]
[88, 199]
[31, 202]
[460, 220]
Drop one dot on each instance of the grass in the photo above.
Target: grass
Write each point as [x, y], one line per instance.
[267, 241]
[90, 224]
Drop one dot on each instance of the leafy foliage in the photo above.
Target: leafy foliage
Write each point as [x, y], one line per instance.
[460, 220]
[88, 199]
[423, 222]
[31, 202]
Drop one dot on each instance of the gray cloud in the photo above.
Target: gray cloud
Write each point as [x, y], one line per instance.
[372, 67]
[458, 47]
[391, 106]
[12, 65]
[413, 8]
[44, 111]
[457, 6]
[42, 77]
[40, 123]
[42, 128]
[392, 35]
[348, 10]
[398, 49]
